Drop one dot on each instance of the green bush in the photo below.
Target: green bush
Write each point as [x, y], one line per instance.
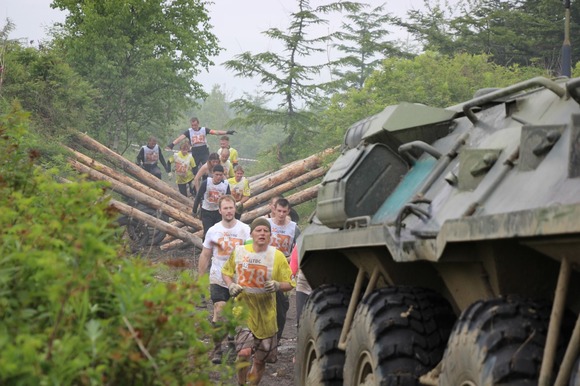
[73, 309]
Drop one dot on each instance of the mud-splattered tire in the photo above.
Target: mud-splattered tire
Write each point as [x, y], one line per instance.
[497, 342]
[141, 233]
[575, 375]
[398, 334]
[318, 359]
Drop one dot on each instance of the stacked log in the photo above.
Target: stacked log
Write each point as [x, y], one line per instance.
[154, 193]
[149, 191]
[294, 199]
[284, 187]
[294, 170]
[131, 168]
[183, 235]
[259, 176]
[186, 238]
[179, 213]
[91, 163]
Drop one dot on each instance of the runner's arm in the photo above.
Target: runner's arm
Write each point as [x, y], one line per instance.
[204, 260]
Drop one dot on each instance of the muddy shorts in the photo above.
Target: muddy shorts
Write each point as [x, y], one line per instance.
[218, 293]
[263, 349]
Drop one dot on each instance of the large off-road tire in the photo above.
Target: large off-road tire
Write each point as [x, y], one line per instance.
[497, 342]
[141, 233]
[575, 375]
[318, 359]
[398, 334]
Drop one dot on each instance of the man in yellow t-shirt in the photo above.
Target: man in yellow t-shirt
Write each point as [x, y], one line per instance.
[225, 144]
[254, 272]
[225, 162]
[184, 167]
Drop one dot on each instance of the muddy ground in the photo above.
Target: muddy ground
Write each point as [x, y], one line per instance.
[280, 373]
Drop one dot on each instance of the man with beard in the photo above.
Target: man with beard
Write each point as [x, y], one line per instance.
[219, 243]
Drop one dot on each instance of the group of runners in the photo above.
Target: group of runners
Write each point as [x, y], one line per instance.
[248, 263]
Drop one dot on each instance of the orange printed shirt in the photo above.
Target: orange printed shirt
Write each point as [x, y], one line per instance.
[283, 236]
[223, 241]
[197, 137]
[252, 270]
[212, 194]
[151, 156]
[183, 167]
[239, 189]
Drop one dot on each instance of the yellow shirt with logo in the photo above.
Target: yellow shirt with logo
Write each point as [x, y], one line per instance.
[239, 189]
[252, 270]
[183, 165]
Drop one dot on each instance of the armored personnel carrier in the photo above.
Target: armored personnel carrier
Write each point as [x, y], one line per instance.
[445, 247]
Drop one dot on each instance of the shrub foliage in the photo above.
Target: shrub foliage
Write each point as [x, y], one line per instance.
[73, 310]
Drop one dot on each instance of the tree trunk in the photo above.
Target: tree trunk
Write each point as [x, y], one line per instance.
[294, 170]
[294, 199]
[258, 176]
[177, 224]
[264, 174]
[131, 168]
[177, 243]
[174, 243]
[154, 222]
[284, 187]
[139, 196]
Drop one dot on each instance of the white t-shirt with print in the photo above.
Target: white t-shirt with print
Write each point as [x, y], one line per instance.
[223, 241]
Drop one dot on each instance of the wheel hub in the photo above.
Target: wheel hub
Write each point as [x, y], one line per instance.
[313, 368]
[365, 375]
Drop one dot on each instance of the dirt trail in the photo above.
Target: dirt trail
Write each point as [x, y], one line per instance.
[281, 373]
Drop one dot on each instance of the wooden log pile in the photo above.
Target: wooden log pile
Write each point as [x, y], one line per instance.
[131, 181]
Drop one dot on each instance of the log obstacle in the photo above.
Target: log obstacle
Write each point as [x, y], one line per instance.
[130, 180]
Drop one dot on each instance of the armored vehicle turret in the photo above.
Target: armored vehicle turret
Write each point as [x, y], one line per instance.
[445, 248]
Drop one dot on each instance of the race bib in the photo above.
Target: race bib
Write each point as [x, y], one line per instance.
[252, 275]
[227, 244]
[197, 139]
[213, 196]
[181, 168]
[151, 157]
[282, 243]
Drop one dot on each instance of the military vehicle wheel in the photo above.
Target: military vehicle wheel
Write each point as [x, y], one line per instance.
[141, 233]
[499, 341]
[398, 334]
[575, 375]
[318, 359]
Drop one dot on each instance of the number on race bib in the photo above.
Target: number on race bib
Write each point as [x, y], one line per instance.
[254, 276]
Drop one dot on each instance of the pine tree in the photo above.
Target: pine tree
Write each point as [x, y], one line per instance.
[284, 75]
[363, 40]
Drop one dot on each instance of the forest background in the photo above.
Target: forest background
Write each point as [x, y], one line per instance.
[125, 70]
[73, 309]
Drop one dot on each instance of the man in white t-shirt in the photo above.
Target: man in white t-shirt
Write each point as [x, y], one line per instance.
[220, 240]
[284, 234]
[208, 196]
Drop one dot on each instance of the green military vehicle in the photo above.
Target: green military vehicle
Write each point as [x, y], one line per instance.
[445, 248]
